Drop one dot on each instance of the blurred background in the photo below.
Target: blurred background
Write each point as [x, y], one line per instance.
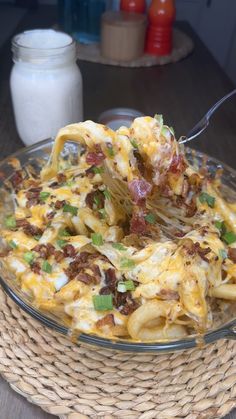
[213, 20]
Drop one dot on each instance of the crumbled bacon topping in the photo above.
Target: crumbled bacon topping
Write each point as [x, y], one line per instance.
[61, 178]
[17, 179]
[232, 254]
[28, 228]
[59, 204]
[69, 251]
[139, 190]
[107, 320]
[192, 249]
[178, 164]
[95, 198]
[138, 224]
[95, 157]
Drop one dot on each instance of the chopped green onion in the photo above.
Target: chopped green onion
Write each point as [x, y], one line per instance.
[165, 132]
[150, 218]
[98, 170]
[29, 257]
[127, 263]
[96, 200]
[12, 244]
[97, 239]
[119, 246]
[159, 119]
[63, 232]
[44, 195]
[102, 213]
[10, 221]
[110, 151]
[208, 199]
[70, 208]
[103, 302]
[172, 131]
[46, 267]
[221, 226]
[107, 194]
[223, 253]
[61, 243]
[70, 183]
[37, 237]
[125, 286]
[229, 237]
[134, 143]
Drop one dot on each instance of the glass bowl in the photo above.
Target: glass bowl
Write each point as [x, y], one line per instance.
[36, 156]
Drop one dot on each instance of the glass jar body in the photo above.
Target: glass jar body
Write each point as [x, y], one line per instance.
[46, 91]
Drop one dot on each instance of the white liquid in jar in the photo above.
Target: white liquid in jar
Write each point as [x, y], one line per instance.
[46, 84]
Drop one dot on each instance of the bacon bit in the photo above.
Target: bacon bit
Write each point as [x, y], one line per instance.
[107, 320]
[167, 294]
[50, 215]
[61, 178]
[4, 252]
[35, 267]
[95, 195]
[42, 250]
[59, 255]
[16, 179]
[51, 249]
[54, 185]
[110, 278]
[97, 273]
[32, 202]
[69, 251]
[28, 228]
[232, 254]
[59, 204]
[139, 189]
[105, 291]
[36, 189]
[191, 208]
[178, 164]
[129, 307]
[138, 224]
[95, 158]
[203, 252]
[85, 278]
[90, 172]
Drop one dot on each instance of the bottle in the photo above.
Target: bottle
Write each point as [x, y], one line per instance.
[46, 84]
[159, 34]
[133, 6]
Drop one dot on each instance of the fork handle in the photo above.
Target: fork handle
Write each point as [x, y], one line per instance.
[203, 123]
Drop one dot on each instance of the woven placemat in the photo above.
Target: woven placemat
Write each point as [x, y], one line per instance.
[182, 46]
[78, 381]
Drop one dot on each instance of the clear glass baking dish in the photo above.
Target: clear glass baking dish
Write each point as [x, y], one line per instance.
[36, 156]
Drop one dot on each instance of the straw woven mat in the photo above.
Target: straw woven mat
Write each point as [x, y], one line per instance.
[182, 46]
[78, 381]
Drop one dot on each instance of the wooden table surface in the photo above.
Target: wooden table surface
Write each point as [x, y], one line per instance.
[182, 92]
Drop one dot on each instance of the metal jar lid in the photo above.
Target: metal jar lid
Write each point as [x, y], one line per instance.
[117, 117]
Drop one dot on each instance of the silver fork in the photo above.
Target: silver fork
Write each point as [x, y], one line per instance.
[204, 122]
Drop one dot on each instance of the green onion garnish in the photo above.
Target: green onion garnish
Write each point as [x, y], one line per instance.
[124, 286]
[12, 244]
[37, 237]
[29, 257]
[70, 208]
[97, 239]
[107, 194]
[46, 267]
[118, 246]
[223, 253]
[127, 263]
[110, 151]
[10, 222]
[70, 183]
[44, 195]
[208, 199]
[63, 232]
[103, 302]
[229, 237]
[159, 119]
[172, 131]
[96, 200]
[98, 170]
[61, 243]
[134, 143]
[150, 218]
[102, 213]
[221, 226]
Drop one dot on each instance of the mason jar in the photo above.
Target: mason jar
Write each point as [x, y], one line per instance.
[46, 84]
